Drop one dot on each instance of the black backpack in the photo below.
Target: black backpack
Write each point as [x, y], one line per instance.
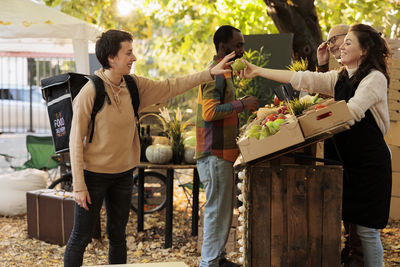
[59, 91]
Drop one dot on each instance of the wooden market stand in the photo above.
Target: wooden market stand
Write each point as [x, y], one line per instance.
[293, 209]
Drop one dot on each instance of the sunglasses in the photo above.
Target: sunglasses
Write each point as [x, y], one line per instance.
[333, 39]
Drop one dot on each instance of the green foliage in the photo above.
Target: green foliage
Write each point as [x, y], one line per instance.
[174, 37]
[382, 15]
[254, 87]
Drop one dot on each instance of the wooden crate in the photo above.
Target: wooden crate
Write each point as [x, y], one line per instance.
[294, 216]
[395, 208]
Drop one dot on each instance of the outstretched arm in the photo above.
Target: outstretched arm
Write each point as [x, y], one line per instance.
[223, 66]
[313, 82]
[252, 71]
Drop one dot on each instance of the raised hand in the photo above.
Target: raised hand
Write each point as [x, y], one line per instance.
[223, 66]
[323, 54]
[250, 71]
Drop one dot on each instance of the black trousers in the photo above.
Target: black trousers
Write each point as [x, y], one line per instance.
[116, 190]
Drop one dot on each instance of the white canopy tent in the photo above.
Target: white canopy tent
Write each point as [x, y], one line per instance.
[29, 26]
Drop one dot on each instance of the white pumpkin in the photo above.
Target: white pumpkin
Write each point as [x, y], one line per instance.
[159, 153]
[189, 154]
[162, 140]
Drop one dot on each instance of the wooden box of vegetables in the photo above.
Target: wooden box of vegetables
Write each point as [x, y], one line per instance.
[323, 117]
[270, 132]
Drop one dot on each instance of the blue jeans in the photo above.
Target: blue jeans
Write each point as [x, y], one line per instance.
[116, 190]
[217, 176]
[371, 246]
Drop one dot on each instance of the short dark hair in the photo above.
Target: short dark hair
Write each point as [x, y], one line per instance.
[109, 43]
[223, 34]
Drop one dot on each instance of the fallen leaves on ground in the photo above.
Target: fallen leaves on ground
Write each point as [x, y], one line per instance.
[16, 249]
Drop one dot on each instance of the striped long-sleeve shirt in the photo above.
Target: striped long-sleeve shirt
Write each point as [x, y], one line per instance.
[217, 120]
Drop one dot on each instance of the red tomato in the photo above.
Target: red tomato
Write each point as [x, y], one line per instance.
[276, 101]
[319, 106]
[271, 117]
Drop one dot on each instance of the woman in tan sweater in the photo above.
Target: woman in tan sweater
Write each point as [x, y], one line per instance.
[102, 169]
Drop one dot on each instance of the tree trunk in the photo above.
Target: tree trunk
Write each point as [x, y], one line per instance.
[300, 18]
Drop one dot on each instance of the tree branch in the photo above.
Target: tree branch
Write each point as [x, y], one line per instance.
[300, 18]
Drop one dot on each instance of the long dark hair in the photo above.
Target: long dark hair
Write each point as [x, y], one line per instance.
[377, 51]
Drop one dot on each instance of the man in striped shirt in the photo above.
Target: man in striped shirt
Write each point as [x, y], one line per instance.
[216, 149]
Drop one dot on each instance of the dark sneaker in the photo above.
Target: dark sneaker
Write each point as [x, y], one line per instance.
[225, 263]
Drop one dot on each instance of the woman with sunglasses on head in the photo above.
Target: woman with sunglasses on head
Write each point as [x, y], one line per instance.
[363, 83]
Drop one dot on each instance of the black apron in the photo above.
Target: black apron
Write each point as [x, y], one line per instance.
[367, 177]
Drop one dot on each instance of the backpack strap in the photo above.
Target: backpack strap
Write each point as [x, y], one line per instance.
[98, 100]
[101, 95]
[135, 98]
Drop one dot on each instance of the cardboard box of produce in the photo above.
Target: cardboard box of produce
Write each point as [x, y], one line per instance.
[320, 120]
[289, 134]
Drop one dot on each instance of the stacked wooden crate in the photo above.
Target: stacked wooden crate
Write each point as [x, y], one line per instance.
[393, 136]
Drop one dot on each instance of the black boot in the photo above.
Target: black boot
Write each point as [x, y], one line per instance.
[352, 254]
[223, 262]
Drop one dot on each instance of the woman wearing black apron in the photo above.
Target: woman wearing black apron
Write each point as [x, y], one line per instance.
[362, 83]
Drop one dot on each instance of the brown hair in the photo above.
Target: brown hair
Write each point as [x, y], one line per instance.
[376, 48]
[108, 45]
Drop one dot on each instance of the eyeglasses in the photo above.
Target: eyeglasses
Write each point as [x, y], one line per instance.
[333, 39]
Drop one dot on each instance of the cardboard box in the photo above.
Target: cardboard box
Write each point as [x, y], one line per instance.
[395, 82]
[395, 208]
[394, 73]
[394, 115]
[318, 121]
[395, 158]
[394, 104]
[396, 184]
[289, 135]
[392, 137]
[394, 94]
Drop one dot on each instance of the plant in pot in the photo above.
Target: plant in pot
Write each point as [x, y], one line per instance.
[174, 127]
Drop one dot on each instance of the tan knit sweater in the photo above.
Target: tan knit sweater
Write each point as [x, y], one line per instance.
[115, 146]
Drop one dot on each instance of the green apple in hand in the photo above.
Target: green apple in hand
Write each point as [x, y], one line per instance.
[238, 65]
